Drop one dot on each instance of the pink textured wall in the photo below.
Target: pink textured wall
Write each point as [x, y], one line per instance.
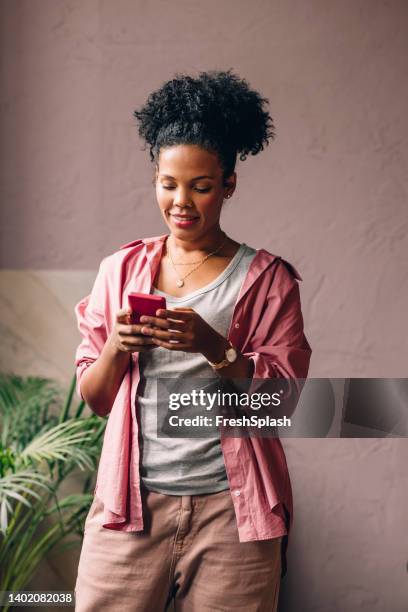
[330, 195]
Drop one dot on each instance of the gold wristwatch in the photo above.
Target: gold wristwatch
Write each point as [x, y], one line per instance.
[231, 355]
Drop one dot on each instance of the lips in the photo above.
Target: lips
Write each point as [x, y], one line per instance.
[184, 221]
[184, 218]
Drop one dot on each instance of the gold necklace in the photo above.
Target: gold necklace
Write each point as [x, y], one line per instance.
[180, 281]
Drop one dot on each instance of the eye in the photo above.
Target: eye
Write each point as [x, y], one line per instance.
[205, 190]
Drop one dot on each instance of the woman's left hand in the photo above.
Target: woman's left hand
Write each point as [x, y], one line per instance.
[187, 330]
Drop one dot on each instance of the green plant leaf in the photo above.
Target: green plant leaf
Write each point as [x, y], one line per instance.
[34, 442]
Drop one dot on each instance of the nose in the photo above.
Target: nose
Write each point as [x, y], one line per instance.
[181, 207]
[182, 199]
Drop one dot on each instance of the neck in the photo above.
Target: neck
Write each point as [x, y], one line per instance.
[204, 244]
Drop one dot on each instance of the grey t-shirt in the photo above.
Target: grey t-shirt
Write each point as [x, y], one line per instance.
[187, 466]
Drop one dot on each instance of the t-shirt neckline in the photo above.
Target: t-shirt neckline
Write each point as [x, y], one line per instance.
[217, 281]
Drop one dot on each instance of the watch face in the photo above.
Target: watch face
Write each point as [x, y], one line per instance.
[231, 354]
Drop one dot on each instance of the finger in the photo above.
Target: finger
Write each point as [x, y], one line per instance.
[172, 346]
[124, 309]
[129, 329]
[164, 334]
[159, 321]
[177, 314]
[163, 323]
[138, 344]
[123, 315]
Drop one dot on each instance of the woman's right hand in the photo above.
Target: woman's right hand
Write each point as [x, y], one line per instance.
[127, 337]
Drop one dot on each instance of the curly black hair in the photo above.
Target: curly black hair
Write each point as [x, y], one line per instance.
[217, 110]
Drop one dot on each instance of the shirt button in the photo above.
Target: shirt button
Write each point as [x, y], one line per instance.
[236, 325]
[237, 493]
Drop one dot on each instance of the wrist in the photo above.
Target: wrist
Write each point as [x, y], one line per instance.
[216, 352]
[112, 350]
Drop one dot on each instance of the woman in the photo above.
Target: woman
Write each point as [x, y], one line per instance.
[201, 523]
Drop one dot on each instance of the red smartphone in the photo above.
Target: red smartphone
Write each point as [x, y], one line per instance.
[144, 304]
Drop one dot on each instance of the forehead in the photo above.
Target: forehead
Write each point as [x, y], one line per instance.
[188, 160]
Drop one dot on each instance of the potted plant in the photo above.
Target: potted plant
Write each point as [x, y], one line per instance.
[43, 440]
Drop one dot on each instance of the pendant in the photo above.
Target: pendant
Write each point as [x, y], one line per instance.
[180, 283]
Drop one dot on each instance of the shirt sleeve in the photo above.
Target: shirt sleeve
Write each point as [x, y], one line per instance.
[91, 323]
[280, 348]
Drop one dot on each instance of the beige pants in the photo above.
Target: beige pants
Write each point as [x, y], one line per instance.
[187, 558]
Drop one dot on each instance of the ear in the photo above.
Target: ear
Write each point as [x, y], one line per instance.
[230, 184]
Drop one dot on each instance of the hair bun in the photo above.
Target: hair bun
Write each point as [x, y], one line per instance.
[217, 109]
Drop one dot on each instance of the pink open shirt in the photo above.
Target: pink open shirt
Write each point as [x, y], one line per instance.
[266, 326]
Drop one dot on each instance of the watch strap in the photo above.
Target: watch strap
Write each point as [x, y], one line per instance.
[220, 364]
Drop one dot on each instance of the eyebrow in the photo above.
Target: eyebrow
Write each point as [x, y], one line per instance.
[203, 176]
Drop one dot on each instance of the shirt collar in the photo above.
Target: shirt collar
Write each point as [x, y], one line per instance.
[262, 260]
